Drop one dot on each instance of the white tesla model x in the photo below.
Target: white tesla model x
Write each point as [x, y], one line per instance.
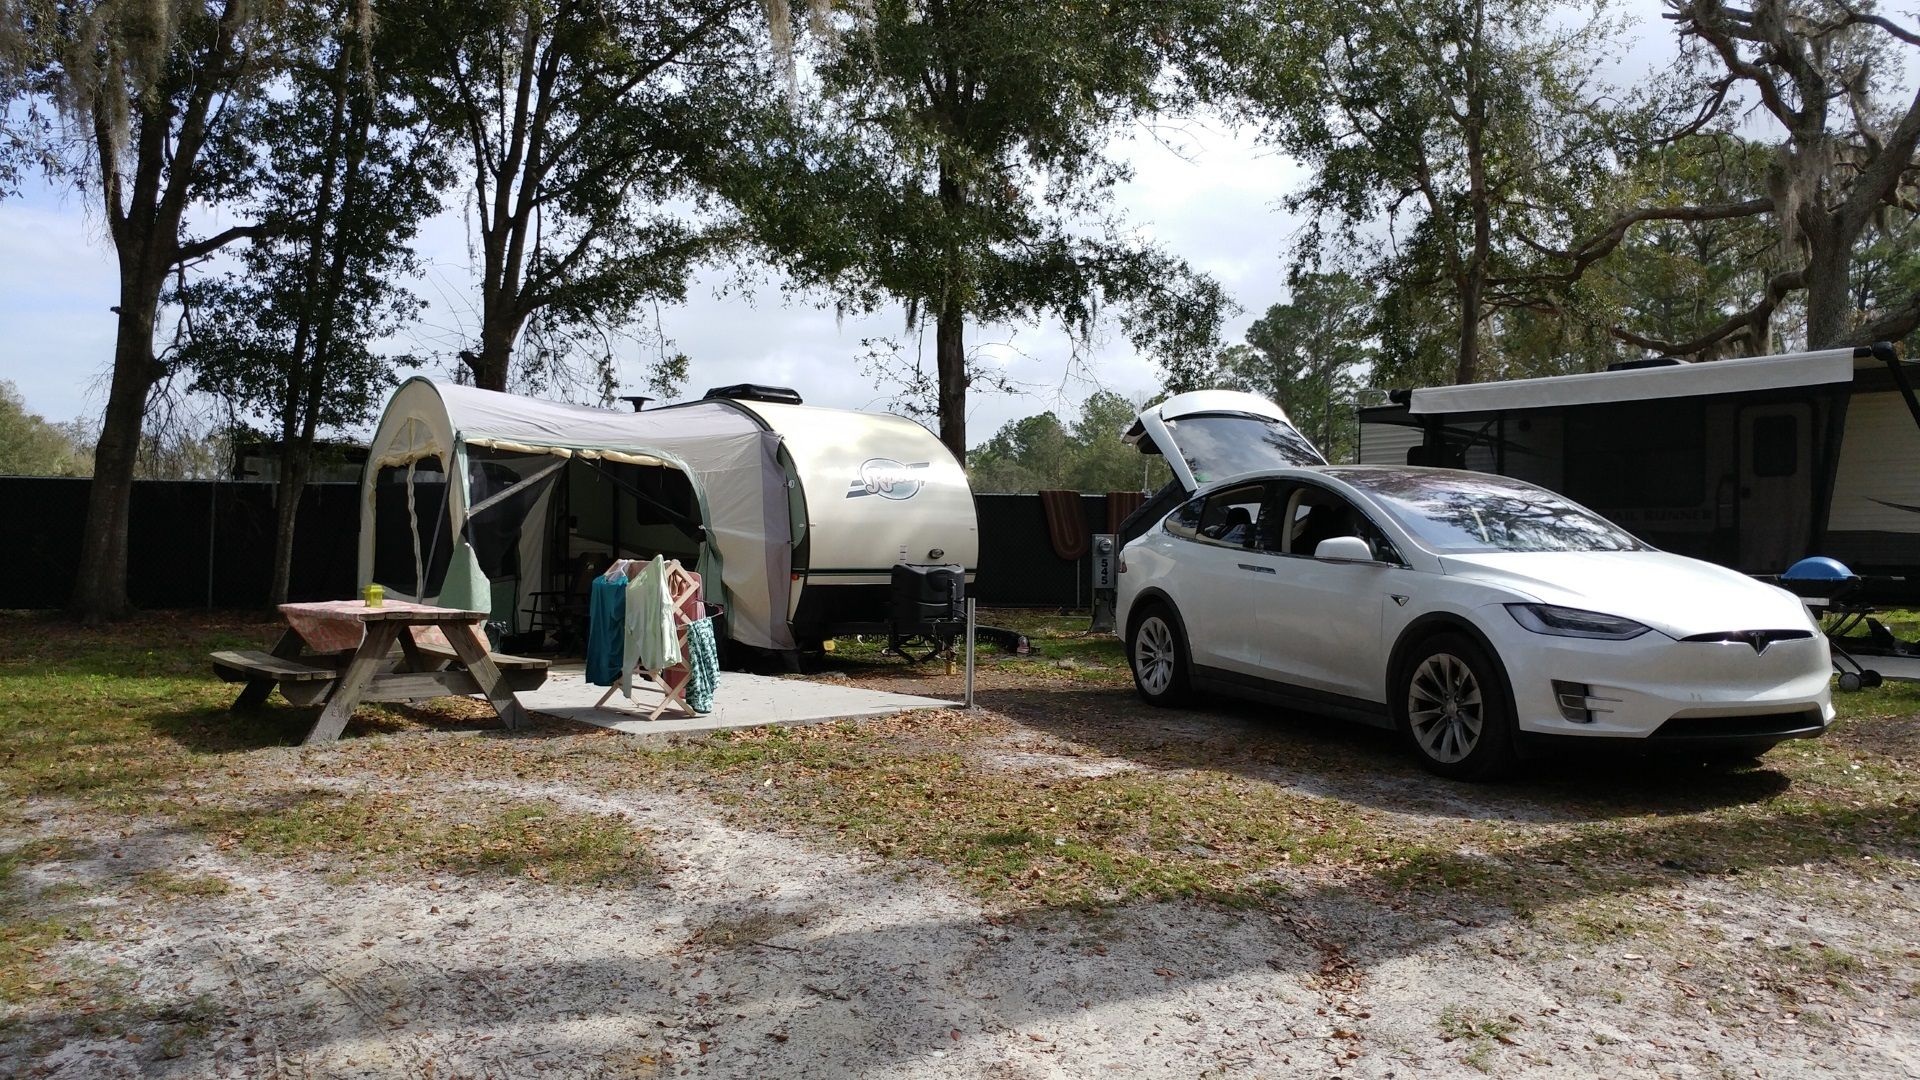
[1479, 615]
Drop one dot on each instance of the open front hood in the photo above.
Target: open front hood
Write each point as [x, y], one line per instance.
[1199, 458]
[1673, 594]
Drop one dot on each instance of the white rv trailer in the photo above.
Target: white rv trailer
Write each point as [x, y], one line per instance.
[797, 512]
[1753, 463]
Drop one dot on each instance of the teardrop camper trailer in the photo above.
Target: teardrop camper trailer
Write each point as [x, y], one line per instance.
[1752, 463]
[508, 504]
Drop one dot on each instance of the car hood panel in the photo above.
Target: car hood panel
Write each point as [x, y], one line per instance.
[1673, 594]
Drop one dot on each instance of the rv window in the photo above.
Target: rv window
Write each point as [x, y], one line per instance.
[1637, 454]
[1776, 446]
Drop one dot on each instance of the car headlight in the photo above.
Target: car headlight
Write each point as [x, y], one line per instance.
[1572, 622]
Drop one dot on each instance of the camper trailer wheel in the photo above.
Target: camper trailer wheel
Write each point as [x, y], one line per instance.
[1849, 681]
[1159, 656]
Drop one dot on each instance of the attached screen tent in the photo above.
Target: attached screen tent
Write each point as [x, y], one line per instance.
[482, 500]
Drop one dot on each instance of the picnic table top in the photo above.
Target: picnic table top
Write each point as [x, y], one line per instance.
[389, 611]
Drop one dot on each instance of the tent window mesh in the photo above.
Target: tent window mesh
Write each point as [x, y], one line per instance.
[411, 542]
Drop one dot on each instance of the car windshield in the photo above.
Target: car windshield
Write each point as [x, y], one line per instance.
[1463, 513]
[1224, 444]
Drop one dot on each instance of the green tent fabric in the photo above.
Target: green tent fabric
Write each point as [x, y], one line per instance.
[466, 587]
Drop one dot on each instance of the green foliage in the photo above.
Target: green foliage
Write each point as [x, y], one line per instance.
[592, 134]
[340, 175]
[1456, 122]
[1039, 452]
[30, 446]
[959, 166]
[1309, 356]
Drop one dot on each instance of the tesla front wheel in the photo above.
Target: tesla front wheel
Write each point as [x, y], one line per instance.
[1158, 658]
[1452, 707]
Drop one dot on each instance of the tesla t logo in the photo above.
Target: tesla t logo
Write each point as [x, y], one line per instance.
[1757, 640]
[887, 478]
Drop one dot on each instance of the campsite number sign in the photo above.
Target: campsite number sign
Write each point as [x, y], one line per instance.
[888, 479]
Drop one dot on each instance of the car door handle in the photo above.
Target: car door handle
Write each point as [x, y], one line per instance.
[1255, 569]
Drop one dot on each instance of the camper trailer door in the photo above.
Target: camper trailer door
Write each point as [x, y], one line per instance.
[1776, 485]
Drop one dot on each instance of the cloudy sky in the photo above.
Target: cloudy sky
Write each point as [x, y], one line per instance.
[1204, 192]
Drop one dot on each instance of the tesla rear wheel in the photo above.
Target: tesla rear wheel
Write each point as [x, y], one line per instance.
[1158, 657]
[1452, 707]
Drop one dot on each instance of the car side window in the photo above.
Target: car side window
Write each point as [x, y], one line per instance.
[1228, 517]
[1314, 514]
[1186, 520]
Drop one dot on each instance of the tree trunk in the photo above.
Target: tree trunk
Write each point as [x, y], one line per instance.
[100, 584]
[950, 352]
[496, 351]
[293, 481]
[1829, 268]
[1472, 279]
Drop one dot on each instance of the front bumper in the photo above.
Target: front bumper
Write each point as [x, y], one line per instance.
[1662, 691]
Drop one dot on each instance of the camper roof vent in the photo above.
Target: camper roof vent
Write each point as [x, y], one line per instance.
[779, 395]
[1653, 361]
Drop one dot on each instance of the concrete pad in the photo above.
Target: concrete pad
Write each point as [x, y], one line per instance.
[741, 701]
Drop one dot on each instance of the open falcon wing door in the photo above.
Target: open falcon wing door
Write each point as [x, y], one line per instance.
[1206, 435]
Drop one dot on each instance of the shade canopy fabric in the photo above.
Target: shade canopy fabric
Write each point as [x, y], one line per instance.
[732, 461]
[1640, 384]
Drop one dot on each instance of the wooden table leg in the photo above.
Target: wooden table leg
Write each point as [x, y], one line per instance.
[256, 691]
[353, 682]
[465, 640]
[416, 660]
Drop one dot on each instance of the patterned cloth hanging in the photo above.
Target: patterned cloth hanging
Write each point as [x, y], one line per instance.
[703, 661]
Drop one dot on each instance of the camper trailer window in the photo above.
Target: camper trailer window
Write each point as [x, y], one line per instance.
[1223, 444]
[1458, 513]
[1638, 454]
[1776, 446]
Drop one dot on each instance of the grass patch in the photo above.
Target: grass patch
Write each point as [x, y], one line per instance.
[1479, 1030]
[169, 883]
[1070, 841]
[389, 833]
[1060, 646]
[30, 926]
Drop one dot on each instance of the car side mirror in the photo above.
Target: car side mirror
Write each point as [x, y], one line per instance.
[1344, 549]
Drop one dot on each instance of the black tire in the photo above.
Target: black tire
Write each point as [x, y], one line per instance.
[1450, 703]
[1157, 656]
[1850, 681]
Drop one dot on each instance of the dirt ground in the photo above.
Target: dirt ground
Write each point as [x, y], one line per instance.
[748, 940]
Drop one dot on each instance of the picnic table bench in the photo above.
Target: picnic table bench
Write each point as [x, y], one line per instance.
[343, 653]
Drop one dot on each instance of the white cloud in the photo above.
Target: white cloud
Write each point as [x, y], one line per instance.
[1215, 206]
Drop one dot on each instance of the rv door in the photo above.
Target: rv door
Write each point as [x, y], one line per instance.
[1776, 485]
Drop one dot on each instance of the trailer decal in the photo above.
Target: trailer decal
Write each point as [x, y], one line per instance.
[888, 479]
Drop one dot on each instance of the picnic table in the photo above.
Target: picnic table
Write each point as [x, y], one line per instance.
[341, 652]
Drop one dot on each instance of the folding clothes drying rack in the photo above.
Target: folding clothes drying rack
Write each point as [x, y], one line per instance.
[683, 591]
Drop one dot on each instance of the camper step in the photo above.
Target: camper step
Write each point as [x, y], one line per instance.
[239, 665]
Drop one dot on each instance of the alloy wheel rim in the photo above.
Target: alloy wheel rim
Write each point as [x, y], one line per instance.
[1445, 708]
[1153, 655]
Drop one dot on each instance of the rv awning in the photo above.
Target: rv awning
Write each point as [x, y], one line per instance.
[1832, 366]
